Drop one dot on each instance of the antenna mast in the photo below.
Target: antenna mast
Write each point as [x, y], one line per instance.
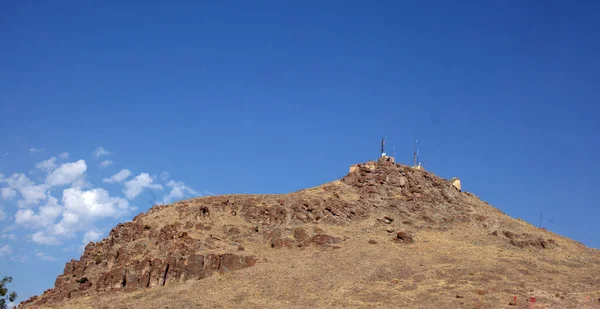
[415, 158]
[383, 147]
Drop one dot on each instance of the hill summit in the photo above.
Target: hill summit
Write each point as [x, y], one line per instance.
[385, 235]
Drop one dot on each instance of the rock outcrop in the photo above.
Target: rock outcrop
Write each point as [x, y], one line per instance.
[198, 238]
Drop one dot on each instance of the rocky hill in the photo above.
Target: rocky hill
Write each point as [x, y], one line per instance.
[385, 235]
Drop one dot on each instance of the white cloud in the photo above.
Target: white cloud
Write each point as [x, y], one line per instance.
[25, 216]
[106, 163]
[100, 151]
[91, 235]
[178, 191]
[118, 177]
[79, 209]
[31, 193]
[47, 165]
[8, 193]
[53, 217]
[43, 239]
[68, 173]
[19, 258]
[10, 236]
[45, 217]
[6, 154]
[45, 256]
[135, 186]
[5, 250]
[94, 203]
[33, 149]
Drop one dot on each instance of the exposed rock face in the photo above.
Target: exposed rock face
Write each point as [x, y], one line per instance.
[526, 240]
[194, 239]
[456, 183]
[133, 257]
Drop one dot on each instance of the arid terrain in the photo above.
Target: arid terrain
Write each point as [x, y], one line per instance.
[384, 236]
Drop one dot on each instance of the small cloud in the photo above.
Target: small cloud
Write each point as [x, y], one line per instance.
[7, 193]
[33, 149]
[91, 235]
[19, 258]
[135, 186]
[100, 151]
[6, 154]
[43, 239]
[67, 173]
[64, 155]
[30, 192]
[45, 256]
[47, 165]
[106, 163]
[178, 191]
[92, 204]
[118, 177]
[5, 250]
[9, 236]
[164, 176]
[78, 211]
[45, 216]
[2, 215]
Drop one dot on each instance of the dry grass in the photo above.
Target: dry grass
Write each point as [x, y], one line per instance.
[452, 269]
[453, 263]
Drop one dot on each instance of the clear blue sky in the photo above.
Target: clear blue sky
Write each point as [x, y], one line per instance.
[276, 96]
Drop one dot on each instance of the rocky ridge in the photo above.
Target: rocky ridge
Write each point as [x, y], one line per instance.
[195, 239]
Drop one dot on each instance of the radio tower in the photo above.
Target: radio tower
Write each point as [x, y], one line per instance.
[415, 155]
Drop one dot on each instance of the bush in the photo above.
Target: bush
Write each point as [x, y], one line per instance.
[5, 296]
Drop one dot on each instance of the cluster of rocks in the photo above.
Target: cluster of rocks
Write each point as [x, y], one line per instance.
[412, 194]
[301, 238]
[136, 256]
[139, 255]
[526, 240]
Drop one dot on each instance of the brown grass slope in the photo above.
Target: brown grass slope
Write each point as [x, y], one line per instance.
[386, 236]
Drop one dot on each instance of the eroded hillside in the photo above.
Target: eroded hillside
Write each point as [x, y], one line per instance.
[384, 235]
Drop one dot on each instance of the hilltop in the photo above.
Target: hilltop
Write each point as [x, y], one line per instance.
[385, 235]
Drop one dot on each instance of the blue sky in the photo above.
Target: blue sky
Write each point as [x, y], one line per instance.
[192, 99]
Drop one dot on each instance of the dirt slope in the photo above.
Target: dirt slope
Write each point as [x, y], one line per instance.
[384, 236]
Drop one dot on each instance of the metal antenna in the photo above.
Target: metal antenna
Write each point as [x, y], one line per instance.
[415, 155]
[383, 146]
[543, 219]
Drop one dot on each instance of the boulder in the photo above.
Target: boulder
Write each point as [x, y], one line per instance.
[404, 237]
